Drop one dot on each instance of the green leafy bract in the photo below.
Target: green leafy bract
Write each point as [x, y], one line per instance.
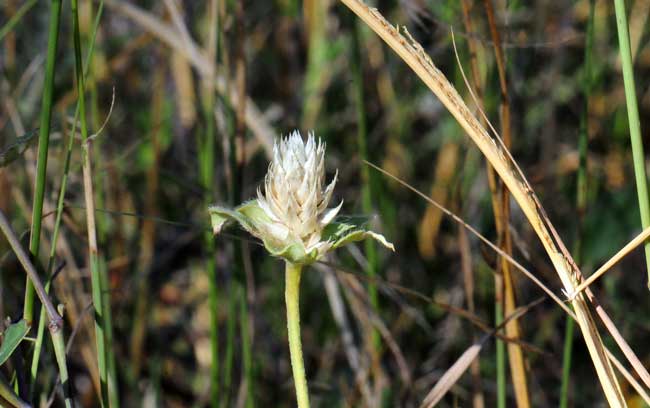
[251, 217]
[11, 338]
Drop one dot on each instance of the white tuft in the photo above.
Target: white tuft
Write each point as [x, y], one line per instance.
[294, 195]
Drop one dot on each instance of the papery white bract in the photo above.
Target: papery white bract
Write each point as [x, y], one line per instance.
[291, 215]
[294, 198]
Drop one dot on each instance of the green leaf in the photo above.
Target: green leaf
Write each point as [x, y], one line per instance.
[249, 215]
[11, 338]
[342, 233]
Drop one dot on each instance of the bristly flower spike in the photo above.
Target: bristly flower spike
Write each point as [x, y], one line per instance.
[294, 222]
[291, 216]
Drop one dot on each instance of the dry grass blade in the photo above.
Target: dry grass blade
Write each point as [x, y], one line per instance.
[516, 357]
[360, 302]
[255, 120]
[480, 236]
[451, 376]
[344, 273]
[413, 54]
[638, 240]
[629, 353]
[351, 351]
[630, 378]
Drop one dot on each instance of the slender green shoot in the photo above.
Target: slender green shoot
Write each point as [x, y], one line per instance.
[633, 118]
[55, 321]
[292, 299]
[206, 171]
[43, 145]
[230, 345]
[581, 198]
[15, 19]
[246, 349]
[59, 208]
[366, 187]
[96, 280]
[501, 358]
[7, 394]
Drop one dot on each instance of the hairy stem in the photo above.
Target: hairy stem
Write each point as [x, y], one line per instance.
[292, 299]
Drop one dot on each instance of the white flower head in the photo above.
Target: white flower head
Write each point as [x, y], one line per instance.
[294, 198]
[292, 215]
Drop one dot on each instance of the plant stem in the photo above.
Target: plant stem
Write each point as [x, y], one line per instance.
[581, 199]
[96, 281]
[292, 299]
[207, 143]
[43, 144]
[59, 207]
[230, 344]
[7, 394]
[55, 321]
[247, 361]
[500, 356]
[15, 19]
[366, 187]
[566, 362]
[633, 119]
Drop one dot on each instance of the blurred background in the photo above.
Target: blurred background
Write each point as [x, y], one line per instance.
[190, 96]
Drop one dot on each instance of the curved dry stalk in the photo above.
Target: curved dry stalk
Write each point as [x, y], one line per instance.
[417, 59]
[453, 373]
[255, 120]
[638, 240]
[627, 350]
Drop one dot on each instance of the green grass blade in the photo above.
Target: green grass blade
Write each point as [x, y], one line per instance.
[96, 281]
[15, 19]
[633, 119]
[60, 203]
[581, 198]
[43, 145]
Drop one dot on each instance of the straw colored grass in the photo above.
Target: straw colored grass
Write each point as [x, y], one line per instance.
[413, 54]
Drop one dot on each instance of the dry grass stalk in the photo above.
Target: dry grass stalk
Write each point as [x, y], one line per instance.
[413, 54]
[430, 223]
[255, 120]
[356, 361]
[641, 371]
[638, 240]
[515, 354]
[453, 373]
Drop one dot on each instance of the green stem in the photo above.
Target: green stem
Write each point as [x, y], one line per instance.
[43, 144]
[55, 321]
[230, 345]
[501, 359]
[15, 19]
[633, 119]
[566, 362]
[7, 394]
[206, 169]
[59, 351]
[292, 299]
[366, 187]
[246, 349]
[111, 367]
[59, 209]
[96, 281]
[581, 200]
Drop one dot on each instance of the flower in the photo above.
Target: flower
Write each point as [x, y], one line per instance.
[292, 217]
